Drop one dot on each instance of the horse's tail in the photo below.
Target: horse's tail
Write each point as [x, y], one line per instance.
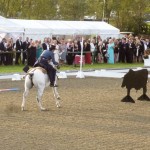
[29, 78]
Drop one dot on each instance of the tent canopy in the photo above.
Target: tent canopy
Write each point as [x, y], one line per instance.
[6, 26]
[43, 28]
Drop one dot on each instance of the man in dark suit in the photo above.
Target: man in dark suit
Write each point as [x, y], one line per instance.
[44, 44]
[123, 46]
[25, 46]
[18, 50]
[147, 43]
[3, 49]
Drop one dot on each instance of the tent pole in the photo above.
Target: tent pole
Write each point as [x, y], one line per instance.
[81, 59]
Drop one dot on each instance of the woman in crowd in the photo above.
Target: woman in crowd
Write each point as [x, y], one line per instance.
[70, 55]
[9, 55]
[100, 55]
[104, 51]
[38, 49]
[87, 50]
[32, 54]
[110, 51]
[137, 50]
[62, 51]
[56, 51]
[130, 52]
[92, 49]
[116, 50]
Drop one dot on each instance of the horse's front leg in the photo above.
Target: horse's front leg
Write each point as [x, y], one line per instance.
[56, 96]
[39, 98]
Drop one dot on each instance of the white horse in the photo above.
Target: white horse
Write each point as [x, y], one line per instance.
[38, 78]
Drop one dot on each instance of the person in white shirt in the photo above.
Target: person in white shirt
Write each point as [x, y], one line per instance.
[92, 49]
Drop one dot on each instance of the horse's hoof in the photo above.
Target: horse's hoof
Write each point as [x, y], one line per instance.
[58, 97]
[58, 105]
[43, 109]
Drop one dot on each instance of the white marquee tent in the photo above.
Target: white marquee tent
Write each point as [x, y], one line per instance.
[9, 27]
[38, 29]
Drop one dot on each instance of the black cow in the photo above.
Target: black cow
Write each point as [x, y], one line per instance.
[137, 80]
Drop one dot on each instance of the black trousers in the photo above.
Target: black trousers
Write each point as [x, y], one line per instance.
[18, 53]
[24, 57]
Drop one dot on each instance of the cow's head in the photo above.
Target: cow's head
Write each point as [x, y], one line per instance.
[126, 78]
[123, 82]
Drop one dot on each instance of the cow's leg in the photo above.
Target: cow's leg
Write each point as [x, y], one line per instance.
[144, 96]
[25, 94]
[39, 97]
[128, 98]
[56, 97]
[144, 90]
[128, 92]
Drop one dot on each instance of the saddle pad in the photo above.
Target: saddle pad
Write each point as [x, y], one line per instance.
[40, 68]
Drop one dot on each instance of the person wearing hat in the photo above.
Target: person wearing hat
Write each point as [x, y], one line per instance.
[44, 61]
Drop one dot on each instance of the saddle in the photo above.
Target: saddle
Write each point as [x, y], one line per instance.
[35, 68]
[31, 71]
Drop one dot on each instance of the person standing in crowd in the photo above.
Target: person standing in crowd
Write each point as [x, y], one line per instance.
[75, 47]
[79, 44]
[18, 50]
[116, 50]
[56, 50]
[122, 50]
[45, 45]
[2, 50]
[97, 50]
[86, 49]
[130, 51]
[110, 52]
[9, 55]
[32, 54]
[62, 51]
[104, 50]
[39, 49]
[49, 40]
[25, 46]
[70, 55]
[139, 50]
[92, 49]
[100, 55]
[147, 43]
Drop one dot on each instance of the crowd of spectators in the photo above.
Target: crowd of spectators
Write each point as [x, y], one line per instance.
[129, 49]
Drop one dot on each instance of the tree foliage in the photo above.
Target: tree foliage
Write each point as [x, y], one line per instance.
[127, 15]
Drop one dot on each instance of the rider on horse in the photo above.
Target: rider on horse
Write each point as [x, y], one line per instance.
[44, 61]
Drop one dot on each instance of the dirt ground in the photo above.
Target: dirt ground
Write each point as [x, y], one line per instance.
[92, 117]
